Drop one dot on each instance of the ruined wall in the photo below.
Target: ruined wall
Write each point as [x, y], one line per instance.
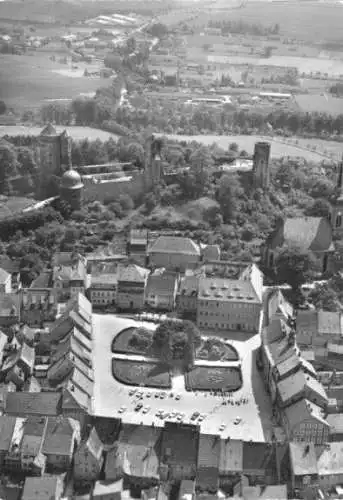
[135, 187]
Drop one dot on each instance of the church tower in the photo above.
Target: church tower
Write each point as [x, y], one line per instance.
[261, 164]
[336, 215]
[152, 167]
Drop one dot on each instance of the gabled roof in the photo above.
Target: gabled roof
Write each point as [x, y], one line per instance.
[303, 410]
[330, 460]
[93, 445]
[44, 280]
[189, 286]
[221, 289]
[256, 456]
[309, 233]
[9, 265]
[49, 130]
[179, 444]
[41, 488]
[75, 272]
[27, 355]
[163, 284]
[303, 458]
[174, 244]
[335, 420]
[209, 451]
[297, 383]
[275, 331]
[132, 273]
[9, 304]
[7, 425]
[231, 456]
[4, 276]
[59, 437]
[33, 403]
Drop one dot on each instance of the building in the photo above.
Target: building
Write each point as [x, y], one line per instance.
[304, 421]
[335, 421]
[70, 280]
[88, 459]
[32, 460]
[77, 314]
[228, 305]
[132, 281]
[54, 151]
[253, 275]
[336, 213]
[24, 404]
[71, 189]
[209, 454]
[308, 233]
[230, 462]
[5, 281]
[300, 385]
[9, 309]
[261, 171]
[137, 246]
[61, 437]
[179, 449]
[102, 291]
[13, 268]
[7, 426]
[303, 466]
[135, 457]
[43, 488]
[330, 465]
[258, 462]
[317, 329]
[278, 307]
[38, 305]
[104, 490]
[174, 253]
[160, 291]
[187, 297]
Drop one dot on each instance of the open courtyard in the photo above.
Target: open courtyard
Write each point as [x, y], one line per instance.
[243, 414]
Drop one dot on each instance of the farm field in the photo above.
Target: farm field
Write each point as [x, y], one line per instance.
[77, 133]
[26, 81]
[310, 21]
[279, 148]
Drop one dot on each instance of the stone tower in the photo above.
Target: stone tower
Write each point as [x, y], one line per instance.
[71, 189]
[54, 151]
[261, 164]
[152, 168]
[336, 215]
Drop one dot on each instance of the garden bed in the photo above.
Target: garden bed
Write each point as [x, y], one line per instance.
[206, 378]
[214, 349]
[141, 374]
[133, 341]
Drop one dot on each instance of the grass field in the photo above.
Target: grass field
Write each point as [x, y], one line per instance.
[205, 378]
[216, 350]
[145, 374]
[27, 81]
[77, 133]
[311, 21]
[278, 148]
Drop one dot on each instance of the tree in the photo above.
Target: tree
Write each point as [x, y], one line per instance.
[9, 165]
[113, 61]
[295, 266]
[324, 297]
[319, 208]
[226, 196]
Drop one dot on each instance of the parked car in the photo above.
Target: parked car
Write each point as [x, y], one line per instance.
[146, 409]
[195, 415]
[138, 407]
[122, 409]
[222, 427]
[177, 397]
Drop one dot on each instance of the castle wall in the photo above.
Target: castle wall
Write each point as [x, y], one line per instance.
[112, 190]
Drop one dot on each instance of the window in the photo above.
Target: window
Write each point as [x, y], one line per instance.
[339, 220]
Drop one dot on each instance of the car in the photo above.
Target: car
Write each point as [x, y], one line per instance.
[138, 407]
[162, 395]
[179, 418]
[122, 409]
[146, 409]
[158, 413]
[222, 427]
[132, 392]
[148, 394]
[157, 395]
[237, 420]
[195, 415]
[173, 414]
[177, 397]
[201, 418]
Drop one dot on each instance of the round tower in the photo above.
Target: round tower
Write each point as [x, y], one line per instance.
[71, 190]
[261, 164]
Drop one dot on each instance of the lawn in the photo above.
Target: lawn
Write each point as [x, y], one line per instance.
[203, 378]
[279, 146]
[26, 81]
[214, 349]
[141, 374]
[128, 343]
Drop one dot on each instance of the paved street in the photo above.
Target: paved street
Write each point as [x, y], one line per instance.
[110, 395]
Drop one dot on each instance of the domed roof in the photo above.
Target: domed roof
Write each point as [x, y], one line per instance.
[71, 180]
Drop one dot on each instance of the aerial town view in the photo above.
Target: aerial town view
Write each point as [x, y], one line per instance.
[171, 249]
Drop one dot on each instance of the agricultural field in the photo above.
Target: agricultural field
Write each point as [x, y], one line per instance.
[206, 378]
[77, 133]
[27, 81]
[141, 374]
[296, 147]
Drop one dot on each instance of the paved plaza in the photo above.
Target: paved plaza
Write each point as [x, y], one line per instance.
[250, 420]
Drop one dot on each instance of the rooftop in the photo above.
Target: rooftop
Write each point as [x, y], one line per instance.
[9, 304]
[33, 403]
[320, 322]
[93, 444]
[335, 420]
[179, 444]
[7, 425]
[330, 460]
[174, 244]
[59, 437]
[4, 276]
[161, 284]
[209, 451]
[303, 410]
[297, 383]
[303, 458]
[189, 286]
[231, 456]
[132, 273]
[41, 488]
[224, 290]
[44, 280]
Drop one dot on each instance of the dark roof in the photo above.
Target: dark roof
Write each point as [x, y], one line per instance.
[44, 280]
[6, 431]
[40, 488]
[179, 444]
[33, 403]
[9, 265]
[174, 244]
[161, 284]
[48, 130]
[310, 233]
[256, 456]
[225, 290]
[59, 437]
